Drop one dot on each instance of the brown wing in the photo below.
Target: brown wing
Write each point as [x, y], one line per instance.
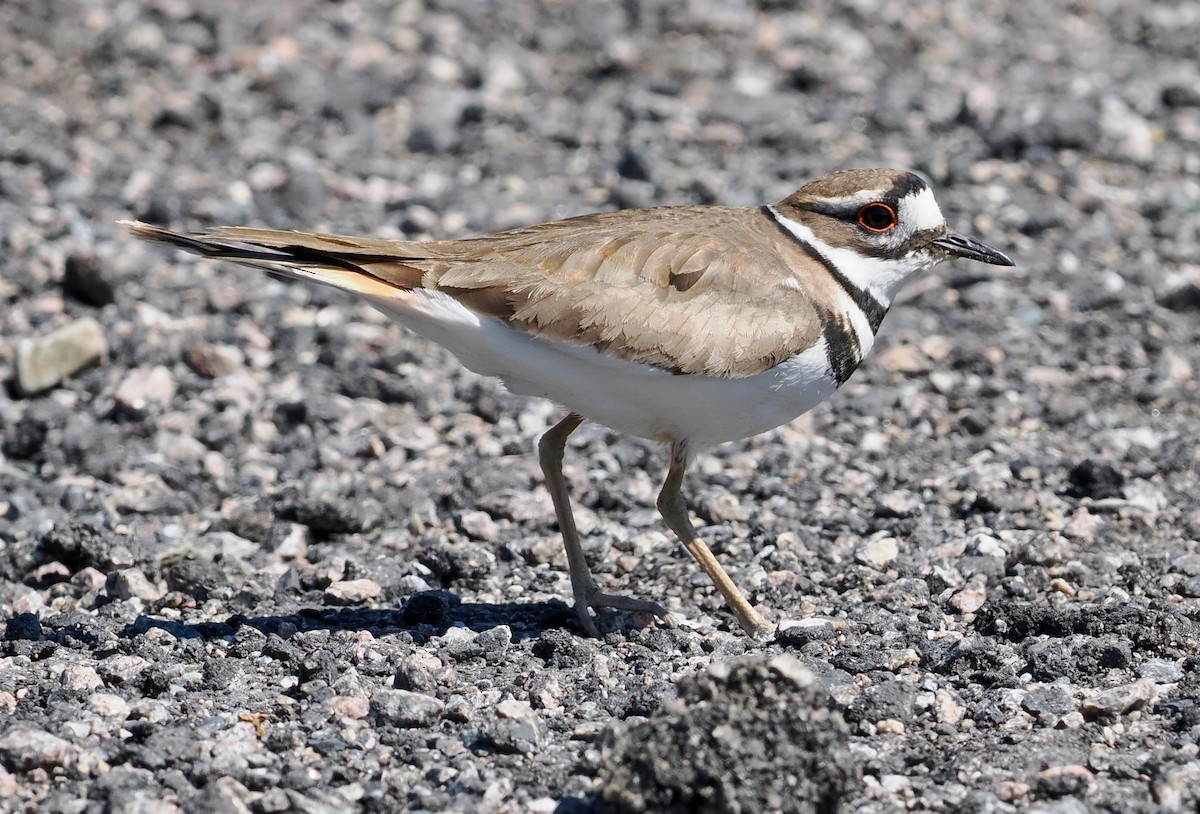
[687, 289]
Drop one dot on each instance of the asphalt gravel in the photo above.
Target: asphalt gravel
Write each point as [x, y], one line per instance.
[261, 550]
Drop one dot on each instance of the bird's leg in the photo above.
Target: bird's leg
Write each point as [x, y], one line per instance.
[583, 587]
[674, 510]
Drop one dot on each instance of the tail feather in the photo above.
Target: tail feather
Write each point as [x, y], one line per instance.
[341, 262]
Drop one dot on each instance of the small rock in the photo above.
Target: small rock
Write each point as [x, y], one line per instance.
[122, 669]
[1082, 527]
[1133, 136]
[129, 583]
[109, 705]
[328, 514]
[288, 541]
[1120, 700]
[352, 592]
[8, 785]
[25, 600]
[791, 668]
[1182, 291]
[44, 362]
[890, 726]
[969, 599]
[878, 552]
[985, 545]
[904, 359]
[427, 608]
[1047, 702]
[144, 388]
[24, 440]
[416, 672]
[1010, 790]
[24, 748]
[349, 706]
[479, 526]
[1072, 720]
[80, 677]
[1161, 671]
[516, 729]
[224, 794]
[1095, 478]
[720, 506]
[1061, 781]
[900, 503]
[459, 710]
[949, 710]
[459, 643]
[23, 627]
[212, 361]
[406, 709]
[1176, 788]
[83, 280]
[495, 641]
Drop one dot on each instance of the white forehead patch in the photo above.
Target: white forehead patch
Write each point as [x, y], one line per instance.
[919, 211]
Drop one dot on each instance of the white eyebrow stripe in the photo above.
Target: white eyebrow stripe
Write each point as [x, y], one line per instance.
[919, 212]
[856, 200]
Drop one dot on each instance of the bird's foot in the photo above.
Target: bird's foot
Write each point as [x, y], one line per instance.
[595, 601]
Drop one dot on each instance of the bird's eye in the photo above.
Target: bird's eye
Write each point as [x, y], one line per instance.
[877, 217]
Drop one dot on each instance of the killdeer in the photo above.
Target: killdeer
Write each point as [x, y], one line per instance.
[688, 325]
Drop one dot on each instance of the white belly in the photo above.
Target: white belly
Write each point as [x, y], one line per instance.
[629, 397]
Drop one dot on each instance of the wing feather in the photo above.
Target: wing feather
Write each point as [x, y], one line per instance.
[688, 289]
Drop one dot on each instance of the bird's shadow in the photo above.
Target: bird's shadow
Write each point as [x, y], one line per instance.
[423, 616]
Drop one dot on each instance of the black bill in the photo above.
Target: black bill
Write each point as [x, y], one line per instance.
[957, 245]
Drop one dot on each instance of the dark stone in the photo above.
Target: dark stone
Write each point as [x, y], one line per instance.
[1095, 478]
[23, 627]
[24, 440]
[83, 280]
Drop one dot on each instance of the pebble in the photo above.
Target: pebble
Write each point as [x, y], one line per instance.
[8, 785]
[109, 705]
[212, 361]
[46, 361]
[405, 708]
[1182, 291]
[131, 582]
[1120, 700]
[1161, 671]
[985, 545]
[80, 677]
[122, 669]
[23, 627]
[969, 599]
[1082, 527]
[904, 359]
[1062, 781]
[1178, 788]
[878, 552]
[83, 280]
[516, 729]
[144, 388]
[349, 706]
[352, 592]
[900, 503]
[479, 526]
[24, 748]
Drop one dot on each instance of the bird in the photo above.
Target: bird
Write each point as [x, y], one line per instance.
[688, 325]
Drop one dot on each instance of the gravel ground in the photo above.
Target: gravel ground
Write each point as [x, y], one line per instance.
[261, 550]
